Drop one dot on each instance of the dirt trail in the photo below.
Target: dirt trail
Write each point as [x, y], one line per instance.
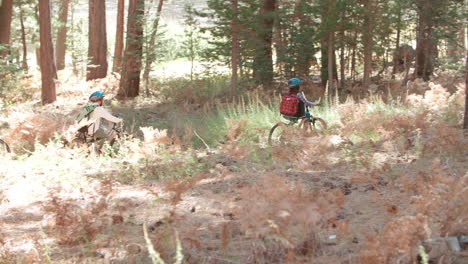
[31, 228]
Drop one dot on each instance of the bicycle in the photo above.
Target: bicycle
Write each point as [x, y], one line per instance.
[4, 148]
[115, 133]
[307, 123]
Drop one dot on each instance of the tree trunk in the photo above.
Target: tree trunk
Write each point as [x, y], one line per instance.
[397, 44]
[279, 42]
[119, 37]
[328, 62]
[342, 52]
[330, 56]
[24, 64]
[130, 81]
[263, 59]
[48, 70]
[353, 57]
[426, 48]
[97, 51]
[465, 121]
[235, 51]
[5, 25]
[62, 35]
[150, 56]
[72, 44]
[368, 42]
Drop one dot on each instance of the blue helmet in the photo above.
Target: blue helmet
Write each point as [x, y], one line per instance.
[96, 96]
[294, 81]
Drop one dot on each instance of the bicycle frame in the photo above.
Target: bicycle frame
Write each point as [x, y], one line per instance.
[307, 123]
[307, 117]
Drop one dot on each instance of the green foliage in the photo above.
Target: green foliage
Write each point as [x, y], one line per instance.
[204, 90]
[251, 30]
[10, 71]
[192, 34]
[77, 43]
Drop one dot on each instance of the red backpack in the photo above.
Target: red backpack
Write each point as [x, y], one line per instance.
[289, 104]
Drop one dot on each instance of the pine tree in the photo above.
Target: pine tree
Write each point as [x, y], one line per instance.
[24, 63]
[437, 20]
[6, 8]
[150, 53]
[263, 56]
[370, 8]
[62, 35]
[119, 37]
[465, 122]
[235, 51]
[130, 81]
[97, 51]
[48, 70]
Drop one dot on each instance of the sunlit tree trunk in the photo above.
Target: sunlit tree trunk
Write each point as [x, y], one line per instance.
[119, 37]
[62, 35]
[150, 56]
[48, 70]
[24, 64]
[465, 121]
[235, 51]
[130, 81]
[97, 50]
[6, 8]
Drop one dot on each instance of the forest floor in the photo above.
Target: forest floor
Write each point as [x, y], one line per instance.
[381, 180]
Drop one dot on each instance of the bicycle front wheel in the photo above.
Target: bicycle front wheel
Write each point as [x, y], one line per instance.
[4, 148]
[313, 127]
[319, 124]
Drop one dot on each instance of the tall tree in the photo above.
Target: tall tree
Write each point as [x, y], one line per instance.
[150, 54]
[398, 23]
[6, 7]
[235, 51]
[97, 51]
[48, 70]
[62, 35]
[368, 42]
[465, 121]
[426, 47]
[328, 69]
[119, 37]
[263, 58]
[303, 33]
[342, 29]
[130, 81]
[24, 64]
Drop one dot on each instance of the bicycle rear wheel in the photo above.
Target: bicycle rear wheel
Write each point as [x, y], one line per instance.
[276, 132]
[4, 148]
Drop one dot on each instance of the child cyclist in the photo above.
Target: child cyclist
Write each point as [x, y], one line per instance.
[293, 103]
[95, 122]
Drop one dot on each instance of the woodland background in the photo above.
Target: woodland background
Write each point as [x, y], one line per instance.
[198, 84]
